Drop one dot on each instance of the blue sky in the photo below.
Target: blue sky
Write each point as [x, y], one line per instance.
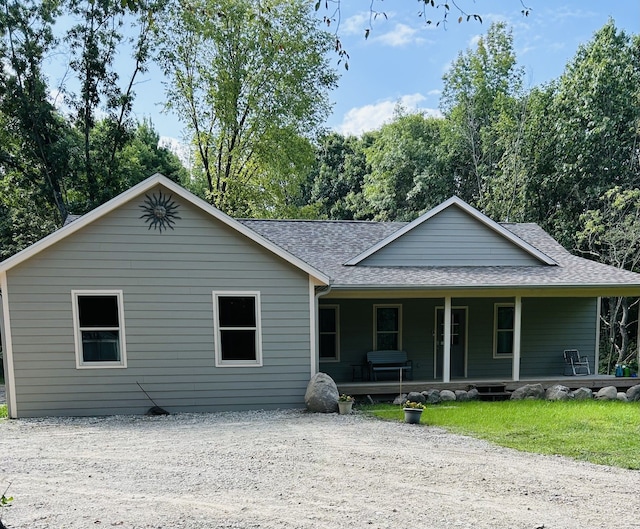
[403, 59]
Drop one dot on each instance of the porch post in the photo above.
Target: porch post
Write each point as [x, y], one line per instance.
[517, 333]
[446, 349]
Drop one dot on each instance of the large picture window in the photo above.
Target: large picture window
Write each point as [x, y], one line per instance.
[329, 332]
[504, 317]
[99, 328]
[237, 328]
[387, 320]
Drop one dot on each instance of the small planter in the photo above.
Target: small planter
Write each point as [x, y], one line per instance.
[344, 407]
[412, 415]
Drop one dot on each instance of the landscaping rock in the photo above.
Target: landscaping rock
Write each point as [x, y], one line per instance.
[558, 392]
[530, 391]
[583, 394]
[633, 393]
[432, 396]
[447, 396]
[608, 393]
[400, 399]
[473, 394]
[622, 396]
[322, 394]
[415, 396]
[461, 395]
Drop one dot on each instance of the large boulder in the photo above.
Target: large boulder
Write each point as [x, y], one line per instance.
[583, 394]
[447, 396]
[558, 392]
[415, 396]
[322, 394]
[633, 393]
[608, 393]
[473, 394]
[432, 396]
[400, 399]
[530, 391]
[461, 395]
[622, 396]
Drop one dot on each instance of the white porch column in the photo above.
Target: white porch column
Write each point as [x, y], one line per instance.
[517, 333]
[446, 349]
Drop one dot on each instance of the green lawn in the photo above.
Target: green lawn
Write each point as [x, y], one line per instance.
[3, 412]
[606, 433]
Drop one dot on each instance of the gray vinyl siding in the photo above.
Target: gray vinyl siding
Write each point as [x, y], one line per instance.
[167, 281]
[549, 325]
[451, 238]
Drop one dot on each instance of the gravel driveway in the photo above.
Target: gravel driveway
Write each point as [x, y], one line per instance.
[290, 469]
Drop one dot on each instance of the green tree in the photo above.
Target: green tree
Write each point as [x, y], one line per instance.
[596, 112]
[479, 100]
[611, 234]
[406, 177]
[334, 186]
[247, 85]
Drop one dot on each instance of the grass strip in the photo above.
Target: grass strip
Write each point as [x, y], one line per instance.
[601, 432]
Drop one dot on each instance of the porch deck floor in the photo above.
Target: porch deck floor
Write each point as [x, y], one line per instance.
[594, 382]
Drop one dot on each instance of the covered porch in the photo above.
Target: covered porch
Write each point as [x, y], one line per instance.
[454, 339]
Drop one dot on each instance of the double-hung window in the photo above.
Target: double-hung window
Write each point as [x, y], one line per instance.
[329, 317]
[387, 320]
[504, 317]
[238, 340]
[98, 317]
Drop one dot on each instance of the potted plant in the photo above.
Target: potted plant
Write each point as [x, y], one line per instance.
[413, 411]
[345, 403]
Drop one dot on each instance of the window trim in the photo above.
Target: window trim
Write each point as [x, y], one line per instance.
[219, 362]
[496, 306]
[336, 312]
[375, 322]
[77, 331]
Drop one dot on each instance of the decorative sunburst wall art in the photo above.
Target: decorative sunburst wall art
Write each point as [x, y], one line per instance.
[160, 211]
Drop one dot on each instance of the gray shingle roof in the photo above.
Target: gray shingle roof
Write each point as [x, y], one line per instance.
[327, 245]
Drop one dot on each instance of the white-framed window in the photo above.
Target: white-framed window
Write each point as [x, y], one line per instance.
[503, 318]
[329, 330]
[237, 329]
[387, 327]
[98, 319]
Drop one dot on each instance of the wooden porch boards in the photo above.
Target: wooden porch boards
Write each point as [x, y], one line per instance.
[594, 382]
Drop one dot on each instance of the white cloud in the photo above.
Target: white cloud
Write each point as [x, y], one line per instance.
[473, 42]
[355, 25]
[372, 117]
[400, 35]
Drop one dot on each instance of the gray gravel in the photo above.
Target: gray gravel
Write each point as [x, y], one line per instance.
[290, 469]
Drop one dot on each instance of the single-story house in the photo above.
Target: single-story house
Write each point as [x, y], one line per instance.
[157, 295]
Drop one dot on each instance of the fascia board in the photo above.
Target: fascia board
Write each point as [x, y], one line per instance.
[468, 209]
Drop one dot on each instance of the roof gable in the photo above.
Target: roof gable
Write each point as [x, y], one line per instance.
[452, 234]
[140, 190]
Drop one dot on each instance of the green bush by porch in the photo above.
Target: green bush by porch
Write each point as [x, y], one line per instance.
[606, 433]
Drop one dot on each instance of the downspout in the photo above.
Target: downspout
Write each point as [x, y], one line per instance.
[314, 324]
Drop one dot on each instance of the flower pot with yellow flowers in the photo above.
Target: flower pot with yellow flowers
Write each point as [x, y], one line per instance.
[413, 412]
[345, 403]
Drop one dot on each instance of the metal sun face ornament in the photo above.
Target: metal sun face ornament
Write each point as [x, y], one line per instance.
[159, 211]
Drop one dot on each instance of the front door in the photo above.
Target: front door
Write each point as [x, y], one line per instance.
[458, 342]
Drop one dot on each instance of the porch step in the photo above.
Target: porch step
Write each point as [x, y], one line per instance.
[493, 392]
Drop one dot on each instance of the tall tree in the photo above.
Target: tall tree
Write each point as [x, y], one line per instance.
[405, 176]
[245, 75]
[596, 111]
[479, 95]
